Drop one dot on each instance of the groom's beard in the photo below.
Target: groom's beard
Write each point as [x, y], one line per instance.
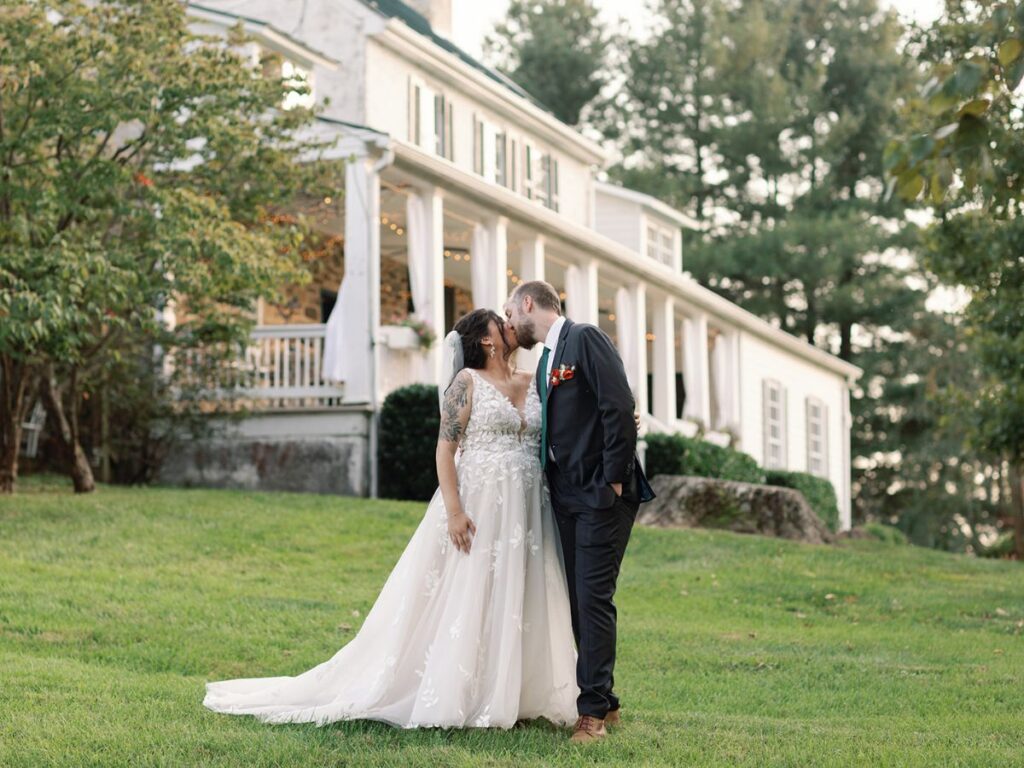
[526, 333]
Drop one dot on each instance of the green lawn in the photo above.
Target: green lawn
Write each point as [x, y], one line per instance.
[115, 609]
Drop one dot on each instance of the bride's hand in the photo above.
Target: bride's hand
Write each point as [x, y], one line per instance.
[460, 528]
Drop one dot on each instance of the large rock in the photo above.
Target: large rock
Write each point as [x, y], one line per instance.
[692, 502]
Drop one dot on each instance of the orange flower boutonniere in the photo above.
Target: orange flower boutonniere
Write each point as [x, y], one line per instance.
[562, 373]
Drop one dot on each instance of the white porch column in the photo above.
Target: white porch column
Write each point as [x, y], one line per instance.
[639, 321]
[631, 328]
[665, 360]
[532, 259]
[581, 292]
[531, 267]
[350, 354]
[425, 225]
[489, 269]
[695, 374]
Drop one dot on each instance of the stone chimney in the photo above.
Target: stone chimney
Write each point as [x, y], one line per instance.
[437, 12]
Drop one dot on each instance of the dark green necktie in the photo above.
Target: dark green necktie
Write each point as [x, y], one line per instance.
[542, 390]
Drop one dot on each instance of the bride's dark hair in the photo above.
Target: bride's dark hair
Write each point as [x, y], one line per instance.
[474, 327]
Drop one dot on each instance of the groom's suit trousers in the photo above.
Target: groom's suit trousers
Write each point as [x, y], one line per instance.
[593, 544]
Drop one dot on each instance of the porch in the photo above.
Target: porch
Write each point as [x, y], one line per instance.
[417, 243]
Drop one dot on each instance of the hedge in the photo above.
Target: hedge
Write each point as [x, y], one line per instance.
[887, 533]
[817, 490]
[678, 455]
[409, 422]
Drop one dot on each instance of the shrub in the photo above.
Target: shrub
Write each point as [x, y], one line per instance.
[409, 421]
[887, 533]
[1002, 547]
[678, 455]
[817, 490]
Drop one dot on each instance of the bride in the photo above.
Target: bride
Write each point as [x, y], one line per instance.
[472, 628]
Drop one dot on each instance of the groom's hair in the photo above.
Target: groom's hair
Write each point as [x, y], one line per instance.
[543, 294]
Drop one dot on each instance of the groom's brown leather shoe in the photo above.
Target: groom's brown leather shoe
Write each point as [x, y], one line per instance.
[588, 729]
[612, 719]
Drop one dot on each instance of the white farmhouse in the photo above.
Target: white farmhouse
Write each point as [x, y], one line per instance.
[458, 186]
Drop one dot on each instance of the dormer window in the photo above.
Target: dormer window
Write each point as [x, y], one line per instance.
[660, 243]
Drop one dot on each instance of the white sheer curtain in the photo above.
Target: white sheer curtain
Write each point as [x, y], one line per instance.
[416, 227]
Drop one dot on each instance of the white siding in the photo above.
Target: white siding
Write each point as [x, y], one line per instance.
[801, 379]
[619, 220]
[387, 110]
[335, 29]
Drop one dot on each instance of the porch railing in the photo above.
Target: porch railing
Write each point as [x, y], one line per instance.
[281, 369]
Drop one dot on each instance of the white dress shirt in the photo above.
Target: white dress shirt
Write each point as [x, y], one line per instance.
[551, 342]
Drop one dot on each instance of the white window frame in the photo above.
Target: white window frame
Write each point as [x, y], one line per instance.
[443, 139]
[661, 242]
[773, 401]
[817, 421]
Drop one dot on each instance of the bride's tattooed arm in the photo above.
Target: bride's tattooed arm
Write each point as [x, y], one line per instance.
[454, 418]
[452, 415]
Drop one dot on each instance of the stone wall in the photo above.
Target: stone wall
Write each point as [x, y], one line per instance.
[323, 452]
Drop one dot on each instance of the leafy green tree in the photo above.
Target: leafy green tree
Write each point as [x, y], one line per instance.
[964, 151]
[768, 122]
[667, 106]
[555, 50]
[139, 169]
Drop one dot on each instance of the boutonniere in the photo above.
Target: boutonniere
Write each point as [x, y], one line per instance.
[562, 373]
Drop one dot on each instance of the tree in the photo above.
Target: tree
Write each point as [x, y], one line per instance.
[666, 109]
[139, 167]
[768, 122]
[555, 50]
[964, 151]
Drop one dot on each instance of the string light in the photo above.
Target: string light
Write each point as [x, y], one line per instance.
[611, 317]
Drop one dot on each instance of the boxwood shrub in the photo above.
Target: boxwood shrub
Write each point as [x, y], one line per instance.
[409, 420]
[678, 455]
[817, 490]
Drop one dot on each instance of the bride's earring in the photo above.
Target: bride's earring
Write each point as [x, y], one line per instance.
[492, 351]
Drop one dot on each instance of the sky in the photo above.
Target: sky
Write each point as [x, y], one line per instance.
[473, 19]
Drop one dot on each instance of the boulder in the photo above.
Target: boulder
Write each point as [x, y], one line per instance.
[704, 502]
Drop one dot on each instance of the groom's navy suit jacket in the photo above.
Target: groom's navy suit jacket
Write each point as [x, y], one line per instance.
[591, 431]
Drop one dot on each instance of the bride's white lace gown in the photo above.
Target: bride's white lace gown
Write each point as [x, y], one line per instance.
[454, 640]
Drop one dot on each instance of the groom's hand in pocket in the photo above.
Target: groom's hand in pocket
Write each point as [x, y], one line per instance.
[461, 530]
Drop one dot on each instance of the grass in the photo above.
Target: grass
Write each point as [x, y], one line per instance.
[115, 608]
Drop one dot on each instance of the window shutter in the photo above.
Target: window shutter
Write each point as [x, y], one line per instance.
[513, 165]
[809, 432]
[766, 423]
[450, 134]
[824, 440]
[783, 417]
[476, 144]
[554, 180]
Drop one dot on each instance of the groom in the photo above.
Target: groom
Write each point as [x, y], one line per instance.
[588, 449]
